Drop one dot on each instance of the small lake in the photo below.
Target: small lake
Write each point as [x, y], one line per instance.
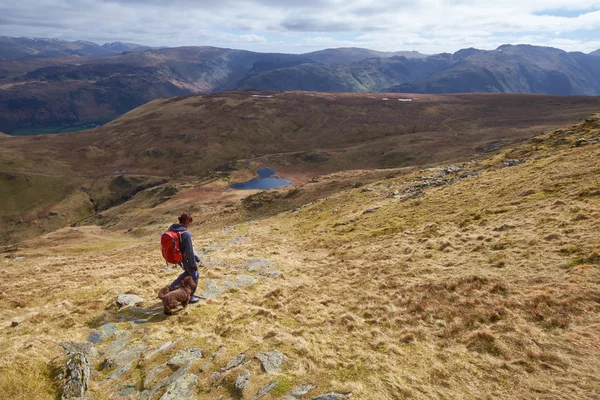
[265, 180]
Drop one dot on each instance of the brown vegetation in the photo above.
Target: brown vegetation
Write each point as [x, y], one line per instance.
[484, 286]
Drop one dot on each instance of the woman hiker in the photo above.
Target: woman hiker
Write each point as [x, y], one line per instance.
[190, 259]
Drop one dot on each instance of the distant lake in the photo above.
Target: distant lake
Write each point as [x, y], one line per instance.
[265, 180]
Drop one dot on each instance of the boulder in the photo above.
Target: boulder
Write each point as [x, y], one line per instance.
[87, 349]
[76, 375]
[241, 382]
[271, 361]
[129, 300]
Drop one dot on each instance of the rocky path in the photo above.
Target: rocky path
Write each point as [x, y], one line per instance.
[122, 360]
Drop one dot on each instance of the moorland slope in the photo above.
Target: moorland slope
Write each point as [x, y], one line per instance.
[51, 181]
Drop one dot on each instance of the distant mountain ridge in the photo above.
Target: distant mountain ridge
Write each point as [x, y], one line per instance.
[26, 47]
[66, 91]
[595, 53]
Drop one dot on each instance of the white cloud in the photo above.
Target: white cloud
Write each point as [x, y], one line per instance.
[425, 25]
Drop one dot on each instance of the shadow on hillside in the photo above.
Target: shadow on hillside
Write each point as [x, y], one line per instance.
[135, 316]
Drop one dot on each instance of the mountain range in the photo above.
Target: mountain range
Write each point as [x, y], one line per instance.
[24, 47]
[76, 92]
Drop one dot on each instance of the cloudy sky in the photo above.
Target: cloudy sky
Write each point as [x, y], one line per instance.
[296, 26]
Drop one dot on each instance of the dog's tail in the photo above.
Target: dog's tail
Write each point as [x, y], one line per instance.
[163, 292]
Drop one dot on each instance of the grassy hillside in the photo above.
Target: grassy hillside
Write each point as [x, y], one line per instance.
[471, 280]
[229, 136]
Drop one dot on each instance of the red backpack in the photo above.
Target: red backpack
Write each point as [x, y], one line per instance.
[171, 247]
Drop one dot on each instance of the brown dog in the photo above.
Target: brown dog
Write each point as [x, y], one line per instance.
[179, 296]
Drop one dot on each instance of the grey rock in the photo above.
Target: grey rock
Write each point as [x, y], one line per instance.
[119, 372]
[87, 349]
[138, 321]
[17, 321]
[152, 374]
[184, 356]
[212, 290]
[228, 284]
[109, 328]
[124, 356]
[371, 210]
[271, 361]
[512, 163]
[265, 389]
[367, 190]
[234, 362]
[122, 335]
[242, 381]
[300, 390]
[163, 347]
[215, 378]
[115, 346]
[332, 396]
[182, 388]
[270, 274]
[77, 374]
[245, 280]
[149, 394]
[129, 300]
[96, 337]
[256, 264]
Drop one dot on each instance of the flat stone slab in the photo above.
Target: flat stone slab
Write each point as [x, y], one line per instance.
[271, 361]
[163, 347]
[256, 264]
[129, 300]
[332, 396]
[245, 280]
[182, 388]
[184, 356]
[228, 284]
[265, 389]
[96, 337]
[234, 362]
[149, 394]
[124, 356]
[270, 274]
[212, 290]
[152, 374]
[109, 328]
[300, 390]
[87, 349]
[115, 346]
[119, 372]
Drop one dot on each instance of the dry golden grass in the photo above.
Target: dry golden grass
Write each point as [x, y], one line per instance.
[483, 288]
